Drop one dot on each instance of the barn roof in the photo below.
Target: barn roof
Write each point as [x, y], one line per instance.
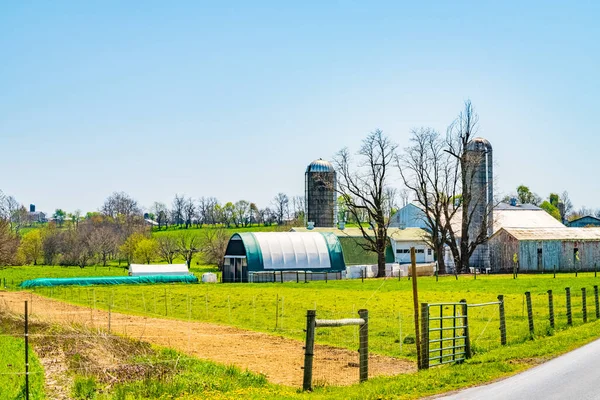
[398, 234]
[583, 234]
[292, 251]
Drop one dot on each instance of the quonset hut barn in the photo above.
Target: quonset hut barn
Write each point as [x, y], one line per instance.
[275, 256]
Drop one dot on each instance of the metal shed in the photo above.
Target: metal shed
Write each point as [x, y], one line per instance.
[538, 250]
[250, 253]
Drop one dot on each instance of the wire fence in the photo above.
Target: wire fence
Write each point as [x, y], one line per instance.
[264, 332]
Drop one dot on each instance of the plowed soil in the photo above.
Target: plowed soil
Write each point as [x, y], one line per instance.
[280, 359]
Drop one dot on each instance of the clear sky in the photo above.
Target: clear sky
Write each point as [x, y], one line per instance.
[234, 99]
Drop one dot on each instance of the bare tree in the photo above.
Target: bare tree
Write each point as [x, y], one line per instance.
[9, 243]
[103, 241]
[364, 189]
[189, 211]
[567, 206]
[460, 133]
[161, 213]
[120, 205]
[167, 247]
[11, 208]
[177, 210]
[188, 244]
[76, 248]
[298, 209]
[214, 246]
[404, 195]
[431, 174]
[281, 206]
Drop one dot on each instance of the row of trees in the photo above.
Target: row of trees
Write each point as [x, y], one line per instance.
[98, 241]
[186, 212]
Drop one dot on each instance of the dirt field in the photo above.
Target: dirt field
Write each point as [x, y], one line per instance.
[280, 359]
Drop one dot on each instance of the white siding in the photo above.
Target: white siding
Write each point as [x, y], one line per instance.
[424, 254]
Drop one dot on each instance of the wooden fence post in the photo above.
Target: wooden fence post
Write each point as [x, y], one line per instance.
[596, 301]
[569, 314]
[425, 336]
[584, 304]
[529, 312]
[551, 308]
[465, 312]
[363, 349]
[309, 348]
[502, 320]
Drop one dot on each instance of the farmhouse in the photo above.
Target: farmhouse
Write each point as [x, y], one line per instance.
[538, 250]
[260, 256]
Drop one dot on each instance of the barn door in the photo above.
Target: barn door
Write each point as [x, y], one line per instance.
[540, 258]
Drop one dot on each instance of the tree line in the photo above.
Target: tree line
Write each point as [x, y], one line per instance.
[117, 232]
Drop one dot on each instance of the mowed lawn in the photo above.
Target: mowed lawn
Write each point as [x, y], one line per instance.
[280, 308]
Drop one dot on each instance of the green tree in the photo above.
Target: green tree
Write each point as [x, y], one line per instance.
[128, 248]
[550, 209]
[526, 196]
[145, 251]
[31, 249]
[59, 215]
[554, 199]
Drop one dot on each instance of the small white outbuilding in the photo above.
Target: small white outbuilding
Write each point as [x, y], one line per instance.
[158, 269]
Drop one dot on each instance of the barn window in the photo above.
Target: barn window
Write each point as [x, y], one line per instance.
[428, 252]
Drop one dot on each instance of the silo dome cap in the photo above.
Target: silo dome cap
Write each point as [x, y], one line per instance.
[478, 143]
[320, 165]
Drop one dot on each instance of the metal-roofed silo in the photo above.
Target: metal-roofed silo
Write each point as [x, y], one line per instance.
[320, 193]
[481, 175]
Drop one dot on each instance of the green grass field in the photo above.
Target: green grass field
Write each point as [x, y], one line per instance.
[280, 309]
[12, 369]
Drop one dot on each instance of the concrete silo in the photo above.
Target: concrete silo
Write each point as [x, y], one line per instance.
[320, 194]
[481, 175]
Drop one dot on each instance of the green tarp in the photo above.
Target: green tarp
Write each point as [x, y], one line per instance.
[110, 280]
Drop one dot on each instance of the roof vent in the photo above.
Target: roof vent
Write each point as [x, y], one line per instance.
[311, 225]
[513, 201]
[341, 225]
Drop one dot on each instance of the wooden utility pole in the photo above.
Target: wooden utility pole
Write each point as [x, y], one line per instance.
[413, 272]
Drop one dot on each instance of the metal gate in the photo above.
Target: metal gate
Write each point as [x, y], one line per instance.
[445, 333]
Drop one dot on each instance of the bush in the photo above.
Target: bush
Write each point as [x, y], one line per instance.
[84, 388]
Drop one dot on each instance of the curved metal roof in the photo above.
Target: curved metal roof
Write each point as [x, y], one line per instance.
[479, 143]
[320, 165]
[292, 251]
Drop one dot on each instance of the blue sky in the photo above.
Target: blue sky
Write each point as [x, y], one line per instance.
[234, 99]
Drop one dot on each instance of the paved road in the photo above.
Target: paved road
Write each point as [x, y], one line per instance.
[573, 376]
